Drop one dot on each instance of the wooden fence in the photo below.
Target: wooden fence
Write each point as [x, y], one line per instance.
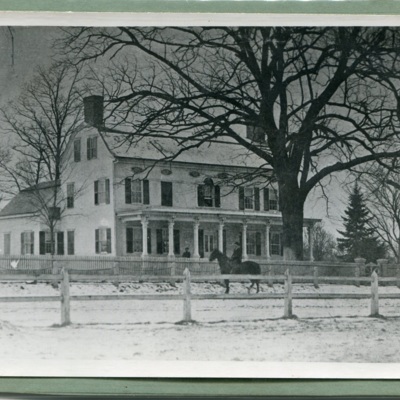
[187, 296]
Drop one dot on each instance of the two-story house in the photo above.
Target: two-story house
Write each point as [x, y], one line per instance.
[120, 199]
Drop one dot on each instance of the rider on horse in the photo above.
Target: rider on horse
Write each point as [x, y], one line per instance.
[236, 258]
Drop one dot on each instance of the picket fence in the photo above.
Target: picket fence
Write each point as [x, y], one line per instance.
[148, 266]
[187, 296]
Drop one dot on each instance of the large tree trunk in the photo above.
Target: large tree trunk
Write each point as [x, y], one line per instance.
[292, 207]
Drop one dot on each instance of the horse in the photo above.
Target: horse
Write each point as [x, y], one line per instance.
[244, 268]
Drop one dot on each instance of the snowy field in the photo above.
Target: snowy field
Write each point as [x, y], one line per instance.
[225, 330]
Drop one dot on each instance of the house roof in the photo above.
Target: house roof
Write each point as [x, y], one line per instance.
[28, 201]
[226, 153]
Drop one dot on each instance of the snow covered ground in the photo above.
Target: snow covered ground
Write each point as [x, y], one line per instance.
[225, 330]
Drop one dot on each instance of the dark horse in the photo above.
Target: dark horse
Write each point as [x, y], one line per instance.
[244, 268]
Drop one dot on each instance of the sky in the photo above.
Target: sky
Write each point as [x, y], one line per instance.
[33, 48]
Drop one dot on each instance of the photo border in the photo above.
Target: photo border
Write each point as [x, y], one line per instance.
[198, 387]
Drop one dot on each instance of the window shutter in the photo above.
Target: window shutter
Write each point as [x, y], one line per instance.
[159, 241]
[146, 192]
[201, 242]
[97, 240]
[60, 243]
[22, 243]
[88, 151]
[281, 243]
[128, 191]
[258, 243]
[241, 198]
[129, 240]
[257, 199]
[42, 244]
[94, 145]
[107, 191]
[217, 193]
[149, 240]
[71, 242]
[32, 242]
[166, 194]
[96, 192]
[266, 199]
[177, 242]
[109, 240]
[200, 196]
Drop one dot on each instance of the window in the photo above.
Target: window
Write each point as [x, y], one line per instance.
[163, 241]
[102, 191]
[134, 240]
[208, 196]
[209, 242]
[27, 243]
[275, 243]
[7, 244]
[46, 245]
[166, 194]
[134, 243]
[271, 200]
[249, 198]
[137, 191]
[91, 147]
[77, 150]
[103, 240]
[70, 243]
[70, 195]
[253, 244]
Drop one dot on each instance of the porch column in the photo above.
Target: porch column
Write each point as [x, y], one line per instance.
[196, 225]
[221, 235]
[244, 241]
[267, 231]
[145, 224]
[171, 223]
[311, 241]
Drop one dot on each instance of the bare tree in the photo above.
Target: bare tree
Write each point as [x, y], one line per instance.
[38, 125]
[382, 188]
[324, 244]
[316, 101]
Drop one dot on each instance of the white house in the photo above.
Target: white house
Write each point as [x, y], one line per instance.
[120, 199]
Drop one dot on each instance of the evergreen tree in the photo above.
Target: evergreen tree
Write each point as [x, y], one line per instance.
[358, 237]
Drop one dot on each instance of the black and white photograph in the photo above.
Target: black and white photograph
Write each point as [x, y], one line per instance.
[223, 197]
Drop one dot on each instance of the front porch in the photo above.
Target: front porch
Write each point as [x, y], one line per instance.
[171, 234]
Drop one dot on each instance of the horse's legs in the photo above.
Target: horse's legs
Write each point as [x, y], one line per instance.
[227, 286]
[258, 286]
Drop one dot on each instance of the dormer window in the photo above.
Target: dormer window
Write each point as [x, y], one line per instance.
[208, 194]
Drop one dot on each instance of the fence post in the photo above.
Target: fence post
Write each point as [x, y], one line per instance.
[316, 285]
[288, 313]
[270, 274]
[374, 295]
[360, 263]
[172, 264]
[187, 310]
[115, 268]
[382, 264]
[65, 304]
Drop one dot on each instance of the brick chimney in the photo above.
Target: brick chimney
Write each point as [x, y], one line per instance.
[93, 110]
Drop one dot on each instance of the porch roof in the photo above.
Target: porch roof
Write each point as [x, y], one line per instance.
[209, 215]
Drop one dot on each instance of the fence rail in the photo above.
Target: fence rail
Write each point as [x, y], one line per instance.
[187, 296]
